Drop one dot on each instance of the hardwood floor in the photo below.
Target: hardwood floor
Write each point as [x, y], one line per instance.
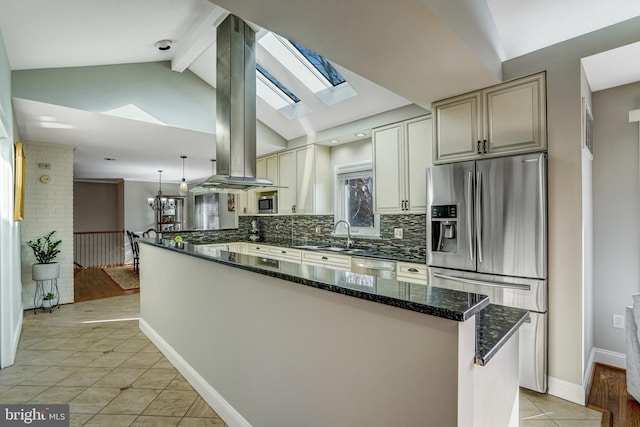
[94, 283]
[609, 392]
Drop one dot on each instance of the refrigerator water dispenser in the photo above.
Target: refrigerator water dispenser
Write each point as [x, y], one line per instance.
[444, 222]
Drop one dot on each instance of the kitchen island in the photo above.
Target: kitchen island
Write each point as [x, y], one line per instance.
[288, 345]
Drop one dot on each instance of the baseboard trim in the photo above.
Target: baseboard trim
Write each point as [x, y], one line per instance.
[611, 358]
[8, 358]
[568, 391]
[16, 336]
[208, 393]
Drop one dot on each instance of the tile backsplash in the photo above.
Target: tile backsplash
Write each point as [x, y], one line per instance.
[301, 230]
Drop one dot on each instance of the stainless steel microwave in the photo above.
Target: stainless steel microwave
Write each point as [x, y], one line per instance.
[268, 204]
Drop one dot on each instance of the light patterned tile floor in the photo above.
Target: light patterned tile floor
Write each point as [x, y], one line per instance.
[544, 410]
[93, 356]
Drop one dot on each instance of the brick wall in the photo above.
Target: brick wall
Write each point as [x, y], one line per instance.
[48, 207]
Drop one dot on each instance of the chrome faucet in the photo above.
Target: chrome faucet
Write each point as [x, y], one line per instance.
[349, 241]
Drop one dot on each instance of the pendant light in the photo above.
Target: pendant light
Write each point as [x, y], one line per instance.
[184, 188]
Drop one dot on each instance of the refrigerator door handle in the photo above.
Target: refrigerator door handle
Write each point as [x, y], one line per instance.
[483, 283]
[470, 214]
[543, 217]
[479, 214]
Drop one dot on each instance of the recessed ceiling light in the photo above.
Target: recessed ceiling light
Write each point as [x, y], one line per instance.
[110, 159]
[334, 141]
[361, 134]
[163, 44]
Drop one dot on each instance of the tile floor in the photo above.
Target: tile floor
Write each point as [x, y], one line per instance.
[544, 410]
[93, 356]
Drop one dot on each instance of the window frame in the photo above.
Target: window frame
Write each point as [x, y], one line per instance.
[339, 201]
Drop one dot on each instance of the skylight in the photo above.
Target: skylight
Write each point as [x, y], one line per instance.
[313, 70]
[277, 84]
[278, 95]
[321, 64]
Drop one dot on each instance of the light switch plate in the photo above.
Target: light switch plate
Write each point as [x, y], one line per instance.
[397, 233]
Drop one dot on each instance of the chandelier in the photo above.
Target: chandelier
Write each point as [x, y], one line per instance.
[157, 202]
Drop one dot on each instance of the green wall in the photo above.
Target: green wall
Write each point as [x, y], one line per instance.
[177, 99]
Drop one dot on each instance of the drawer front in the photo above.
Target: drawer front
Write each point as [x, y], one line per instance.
[258, 249]
[327, 266]
[286, 253]
[322, 258]
[411, 272]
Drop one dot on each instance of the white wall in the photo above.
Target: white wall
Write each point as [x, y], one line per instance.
[616, 210]
[587, 235]
[48, 207]
[350, 153]
[10, 278]
[567, 345]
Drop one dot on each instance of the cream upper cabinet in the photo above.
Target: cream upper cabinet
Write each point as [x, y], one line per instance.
[305, 172]
[401, 154]
[245, 201]
[286, 180]
[501, 120]
[457, 128]
[266, 168]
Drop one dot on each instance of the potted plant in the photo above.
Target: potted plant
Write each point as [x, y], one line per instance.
[45, 250]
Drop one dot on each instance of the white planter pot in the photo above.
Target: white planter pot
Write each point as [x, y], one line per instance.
[45, 271]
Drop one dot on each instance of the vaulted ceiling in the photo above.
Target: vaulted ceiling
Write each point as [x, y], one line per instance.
[393, 52]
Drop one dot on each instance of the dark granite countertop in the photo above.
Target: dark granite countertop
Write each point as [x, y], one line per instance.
[445, 303]
[494, 324]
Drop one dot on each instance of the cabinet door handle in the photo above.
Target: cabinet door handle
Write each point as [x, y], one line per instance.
[484, 146]
[283, 252]
[413, 270]
[324, 257]
[478, 147]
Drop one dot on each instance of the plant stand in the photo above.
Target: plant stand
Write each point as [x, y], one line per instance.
[39, 301]
[46, 296]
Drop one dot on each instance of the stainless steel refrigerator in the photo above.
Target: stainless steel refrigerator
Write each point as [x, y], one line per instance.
[487, 233]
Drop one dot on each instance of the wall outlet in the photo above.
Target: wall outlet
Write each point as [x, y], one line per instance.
[397, 233]
[318, 229]
[618, 321]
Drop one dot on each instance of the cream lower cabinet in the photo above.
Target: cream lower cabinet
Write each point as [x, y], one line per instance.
[305, 181]
[320, 259]
[501, 120]
[401, 155]
[411, 272]
[229, 247]
[275, 252]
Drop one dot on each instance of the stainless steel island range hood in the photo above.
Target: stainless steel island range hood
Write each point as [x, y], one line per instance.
[236, 108]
